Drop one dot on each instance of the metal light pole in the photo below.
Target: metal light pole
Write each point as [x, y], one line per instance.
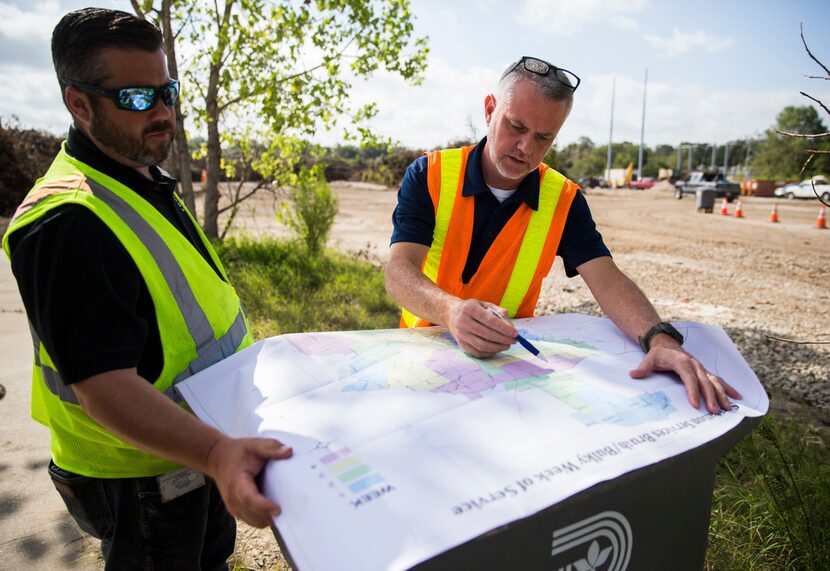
[642, 131]
[610, 131]
[714, 155]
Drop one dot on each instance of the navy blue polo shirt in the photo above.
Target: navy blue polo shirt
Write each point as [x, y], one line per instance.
[414, 216]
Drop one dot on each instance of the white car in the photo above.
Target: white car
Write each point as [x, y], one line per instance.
[804, 189]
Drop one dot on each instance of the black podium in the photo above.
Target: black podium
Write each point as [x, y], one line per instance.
[654, 518]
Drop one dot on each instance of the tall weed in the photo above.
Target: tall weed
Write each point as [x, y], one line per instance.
[771, 508]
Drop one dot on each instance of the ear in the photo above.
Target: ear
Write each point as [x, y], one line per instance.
[489, 108]
[78, 104]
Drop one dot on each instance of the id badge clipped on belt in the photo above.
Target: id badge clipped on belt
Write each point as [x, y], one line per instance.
[178, 483]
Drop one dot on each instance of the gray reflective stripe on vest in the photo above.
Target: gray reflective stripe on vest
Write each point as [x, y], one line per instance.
[225, 346]
[50, 376]
[194, 316]
[208, 349]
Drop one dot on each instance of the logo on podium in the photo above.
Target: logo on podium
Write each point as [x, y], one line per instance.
[601, 542]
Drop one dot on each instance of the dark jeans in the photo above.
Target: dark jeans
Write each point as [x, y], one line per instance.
[138, 531]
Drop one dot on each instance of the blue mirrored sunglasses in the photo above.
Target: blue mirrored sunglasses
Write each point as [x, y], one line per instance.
[134, 98]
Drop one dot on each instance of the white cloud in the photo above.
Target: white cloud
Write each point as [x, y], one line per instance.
[431, 114]
[32, 25]
[570, 16]
[38, 105]
[681, 42]
[624, 23]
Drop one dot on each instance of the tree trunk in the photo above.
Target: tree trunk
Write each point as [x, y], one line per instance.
[210, 223]
[181, 152]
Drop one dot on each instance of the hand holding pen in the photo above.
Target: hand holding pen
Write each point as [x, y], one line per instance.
[522, 341]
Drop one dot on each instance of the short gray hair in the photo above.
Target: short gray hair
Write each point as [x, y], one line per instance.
[555, 87]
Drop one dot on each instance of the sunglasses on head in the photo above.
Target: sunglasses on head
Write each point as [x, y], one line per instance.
[134, 98]
[541, 67]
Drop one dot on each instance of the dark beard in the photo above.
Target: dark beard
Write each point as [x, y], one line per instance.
[110, 135]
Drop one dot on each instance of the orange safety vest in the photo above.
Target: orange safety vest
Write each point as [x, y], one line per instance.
[511, 272]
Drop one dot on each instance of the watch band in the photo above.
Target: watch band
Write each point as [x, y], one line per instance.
[662, 327]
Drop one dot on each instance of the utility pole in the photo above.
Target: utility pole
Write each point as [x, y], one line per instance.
[610, 131]
[726, 160]
[691, 148]
[642, 131]
[679, 153]
[714, 155]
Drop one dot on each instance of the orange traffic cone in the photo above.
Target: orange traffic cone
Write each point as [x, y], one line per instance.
[773, 216]
[723, 209]
[739, 213]
[820, 221]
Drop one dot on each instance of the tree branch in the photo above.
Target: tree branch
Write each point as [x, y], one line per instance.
[137, 9]
[185, 21]
[803, 135]
[237, 200]
[797, 342]
[823, 106]
[803, 41]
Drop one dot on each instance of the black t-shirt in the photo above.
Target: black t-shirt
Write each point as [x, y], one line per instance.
[83, 293]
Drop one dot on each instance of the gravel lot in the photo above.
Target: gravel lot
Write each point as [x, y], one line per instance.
[767, 284]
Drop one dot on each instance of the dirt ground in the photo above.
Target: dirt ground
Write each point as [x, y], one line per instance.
[765, 283]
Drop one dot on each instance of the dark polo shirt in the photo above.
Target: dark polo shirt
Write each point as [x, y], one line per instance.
[414, 216]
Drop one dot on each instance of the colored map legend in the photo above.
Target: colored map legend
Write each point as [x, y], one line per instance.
[350, 470]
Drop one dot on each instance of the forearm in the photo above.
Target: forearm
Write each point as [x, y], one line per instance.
[621, 300]
[411, 289]
[128, 406]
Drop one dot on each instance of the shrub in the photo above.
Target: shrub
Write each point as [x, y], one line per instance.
[25, 156]
[312, 215]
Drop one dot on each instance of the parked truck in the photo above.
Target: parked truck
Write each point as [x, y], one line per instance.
[702, 180]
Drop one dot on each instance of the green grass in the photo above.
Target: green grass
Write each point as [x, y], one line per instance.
[286, 291]
[771, 505]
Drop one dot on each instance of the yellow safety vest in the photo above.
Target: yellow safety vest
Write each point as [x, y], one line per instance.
[511, 272]
[200, 318]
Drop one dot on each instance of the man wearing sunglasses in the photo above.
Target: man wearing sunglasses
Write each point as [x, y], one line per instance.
[476, 230]
[126, 298]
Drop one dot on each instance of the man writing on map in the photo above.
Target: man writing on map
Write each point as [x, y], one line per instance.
[476, 230]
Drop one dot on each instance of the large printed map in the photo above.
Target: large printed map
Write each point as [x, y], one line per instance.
[405, 447]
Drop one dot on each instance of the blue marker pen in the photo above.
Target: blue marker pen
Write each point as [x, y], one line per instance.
[522, 341]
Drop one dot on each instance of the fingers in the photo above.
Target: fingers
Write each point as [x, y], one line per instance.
[269, 448]
[698, 382]
[251, 506]
[480, 332]
[240, 462]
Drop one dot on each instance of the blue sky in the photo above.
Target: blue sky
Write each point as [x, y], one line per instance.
[717, 70]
